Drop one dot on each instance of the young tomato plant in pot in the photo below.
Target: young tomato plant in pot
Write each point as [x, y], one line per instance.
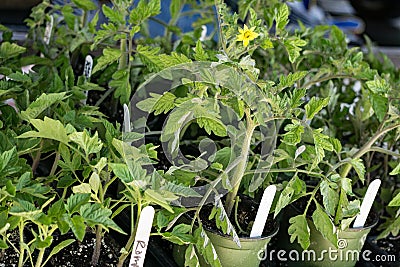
[82, 177]
[323, 185]
[241, 112]
[143, 186]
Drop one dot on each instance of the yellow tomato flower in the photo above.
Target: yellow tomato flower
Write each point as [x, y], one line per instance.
[246, 35]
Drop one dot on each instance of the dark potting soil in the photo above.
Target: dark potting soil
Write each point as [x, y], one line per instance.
[78, 254]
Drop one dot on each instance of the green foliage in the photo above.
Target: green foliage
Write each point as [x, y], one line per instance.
[299, 229]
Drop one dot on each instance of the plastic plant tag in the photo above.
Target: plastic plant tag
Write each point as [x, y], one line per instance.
[367, 203]
[263, 211]
[87, 68]
[127, 119]
[142, 237]
[48, 30]
[87, 72]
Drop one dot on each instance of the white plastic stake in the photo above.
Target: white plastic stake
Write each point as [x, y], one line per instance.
[127, 119]
[87, 72]
[48, 30]
[367, 203]
[263, 211]
[142, 237]
[87, 68]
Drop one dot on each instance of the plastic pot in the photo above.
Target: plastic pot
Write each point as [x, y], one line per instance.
[248, 255]
[321, 251]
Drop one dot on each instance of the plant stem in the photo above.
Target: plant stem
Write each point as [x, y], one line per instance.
[97, 248]
[40, 257]
[124, 55]
[21, 248]
[366, 147]
[131, 240]
[241, 167]
[36, 160]
[311, 198]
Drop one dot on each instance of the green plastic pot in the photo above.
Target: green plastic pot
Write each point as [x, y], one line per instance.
[248, 255]
[349, 250]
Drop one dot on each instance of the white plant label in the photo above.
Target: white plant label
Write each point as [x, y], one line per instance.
[367, 203]
[87, 72]
[48, 30]
[263, 211]
[87, 68]
[142, 237]
[127, 119]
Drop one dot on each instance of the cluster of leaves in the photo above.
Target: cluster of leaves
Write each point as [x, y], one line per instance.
[294, 108]
[332, 109]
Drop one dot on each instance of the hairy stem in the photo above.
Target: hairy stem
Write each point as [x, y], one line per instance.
[21, 248]
[241, 167]
[40, 257]
[366, 147]
[97, 248]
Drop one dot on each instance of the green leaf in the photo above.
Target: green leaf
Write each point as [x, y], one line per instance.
[83, 188]
[324, 225]
[379, 105]
[113, 15]
[330, 197]
[294, 187]
[75, 201]
[85, 4]
[60, 246]
[321, 142]
[8, 158]
[378, 86]
[314, 106]
[179, 235]
[120, 81]
[282, 18]
[359, 167]
[156, 198]
[393, 228]
[77, 224]
[299, 229]
[337, 146]
[175, 8]
[47, 128]
[19, 77]
[94, 182]
[42, 103]
[8, 50]
[199, 53]
[164, 103]
[293, 135]
[289, 79]
[191, 258]
[3, 244]
[69, 16]
[396, 170]
[206, 248]
[90, 145]
[395, 202]
[150, 57]
[144, 10]
[212, 125]
[95, 214]
[109, 56]
[346, 184]
[293, 47]
[180, 190]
